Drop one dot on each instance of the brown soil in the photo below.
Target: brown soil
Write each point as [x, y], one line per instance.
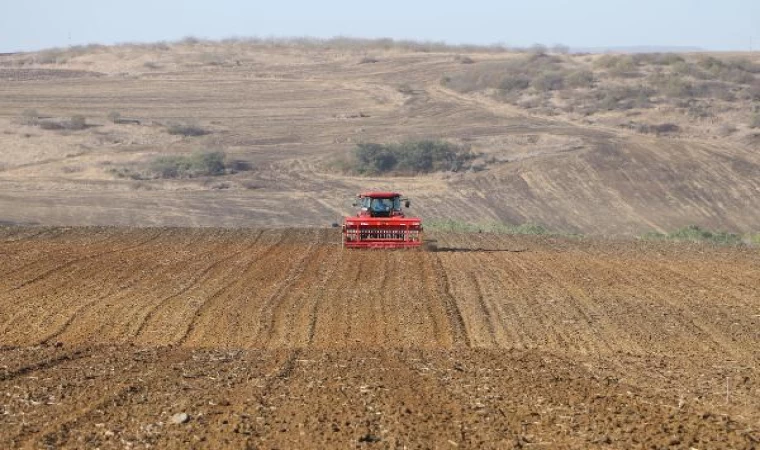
[281, 339]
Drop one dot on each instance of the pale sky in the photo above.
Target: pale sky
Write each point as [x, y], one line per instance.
[709, 24]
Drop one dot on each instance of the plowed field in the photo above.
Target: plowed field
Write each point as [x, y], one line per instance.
[281, 339]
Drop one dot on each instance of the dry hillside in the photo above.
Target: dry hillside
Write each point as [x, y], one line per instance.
[247, 133]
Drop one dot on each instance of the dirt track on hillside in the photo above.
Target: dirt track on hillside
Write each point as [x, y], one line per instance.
[279, 338]
[288, 115]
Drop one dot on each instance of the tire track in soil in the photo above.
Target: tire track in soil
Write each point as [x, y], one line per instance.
[459, 333]
[352, 298]
[500, 290]
[333, 328]
[48, 273]
[428, 287]
[600, 333]
[266, 330]
[226, 310]
[667, 333]
[485, 309]
[300, 308]
[105, 319]
[376, 308]
[533, 300]
[631, 299]
[30, 303]
[321, 289]
[52, 234]
[85, 258]
[689, 320]
[498, 293]
[467, 288]
[146, 327]
[137, 276]
[289, 320]
[365, 325]
[674, 331]
[401, 320]
[206, 302]
[240, 312]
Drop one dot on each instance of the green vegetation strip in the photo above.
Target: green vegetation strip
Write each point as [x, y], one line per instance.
[694, 233]
[484, 227]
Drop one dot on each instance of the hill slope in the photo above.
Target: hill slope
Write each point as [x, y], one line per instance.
[283, 114]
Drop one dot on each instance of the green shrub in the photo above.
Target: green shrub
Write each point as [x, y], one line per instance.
[624, 66]
[77, 123]
[658, 59]
[683, 68]
[725, 130]
[736, 75]
[190, 40]
[51, 125]
[196, 165]
[675, 87]
[754, 121]
[753, 93]
[208, 163]
[605, 62]
[658, 129]
[412, 157]
[511, 83]
[187, 130]
[538, 49]
[710, 63]
[580, 79]
[30, 117]
[623, 98]
[464, 59]
[552, 81]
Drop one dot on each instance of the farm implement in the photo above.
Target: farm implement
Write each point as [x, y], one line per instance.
[381, 224]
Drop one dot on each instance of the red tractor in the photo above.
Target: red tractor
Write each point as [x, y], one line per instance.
[380, 223]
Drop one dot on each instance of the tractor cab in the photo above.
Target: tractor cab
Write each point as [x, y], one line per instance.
[381, 204]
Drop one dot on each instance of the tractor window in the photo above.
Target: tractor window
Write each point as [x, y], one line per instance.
[381, 204]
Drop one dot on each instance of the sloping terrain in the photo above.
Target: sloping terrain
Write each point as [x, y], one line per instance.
[285, 113]
[279, 338]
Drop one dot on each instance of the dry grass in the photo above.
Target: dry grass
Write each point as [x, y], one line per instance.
[694, 86]
[553, 130]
